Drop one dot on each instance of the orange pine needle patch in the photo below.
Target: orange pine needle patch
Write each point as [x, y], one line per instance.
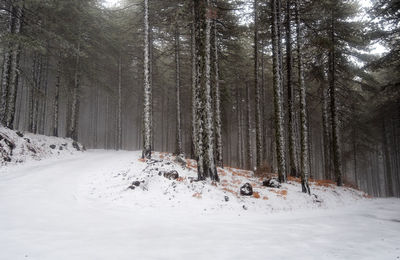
[256, 195]
[265, 198]
[197, 195]
[181, 179]
[141, 160]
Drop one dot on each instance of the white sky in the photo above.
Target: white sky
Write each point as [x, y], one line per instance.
[111, 3]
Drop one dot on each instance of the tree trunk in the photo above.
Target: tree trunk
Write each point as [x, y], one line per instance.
[178, 141]
[279, 135]
[303, 110]
[195, 134]
[257, 90]
[387, 155]
[217, 102]
[146, 153]
[337, 163]
[119, 116]
[15, 71]
[290, 96]
[73, 123]
[248, 129]
[56, 105]
[205, 122]
[7, 70]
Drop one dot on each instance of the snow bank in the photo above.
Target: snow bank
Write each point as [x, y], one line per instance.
[142, 184]
[17, 147]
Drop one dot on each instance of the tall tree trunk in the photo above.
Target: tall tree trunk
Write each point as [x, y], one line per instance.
[146, 153]
[248, 129]
[337, 162]
[239, 125]
[119, 116]
[7, 69]
[56, 105]
[257, 90]
[205, 124]
[73, 123]
[387, 155]
[195, 134]
[290, 96]
[178, 140]
[279, 135]
[303, 109]
[15, 71]
[217, 102]
[325, 131]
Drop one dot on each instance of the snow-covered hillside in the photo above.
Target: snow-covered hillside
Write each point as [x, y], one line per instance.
[143, 183]
[84, 207]
[17, 147]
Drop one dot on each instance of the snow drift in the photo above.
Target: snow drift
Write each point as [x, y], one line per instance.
[17, 147]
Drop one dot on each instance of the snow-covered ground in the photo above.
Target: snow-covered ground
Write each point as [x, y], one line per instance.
[18, 147]
[80, 207]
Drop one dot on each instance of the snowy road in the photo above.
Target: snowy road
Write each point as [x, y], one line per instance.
[43, 215]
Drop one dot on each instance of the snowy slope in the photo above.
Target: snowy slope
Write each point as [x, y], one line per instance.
[17, 147]
[80, 207]
[156, 191]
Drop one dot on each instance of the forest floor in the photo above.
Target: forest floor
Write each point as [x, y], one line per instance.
[79, 206]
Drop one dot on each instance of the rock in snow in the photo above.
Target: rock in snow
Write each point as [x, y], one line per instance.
[246, 190]
[272, 183]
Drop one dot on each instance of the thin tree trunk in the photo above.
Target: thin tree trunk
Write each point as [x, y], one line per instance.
[290, 96]
[248, 129]
[15, 71]
[7, 70]
[147, 88]
[119, 116]
[337, 163]
[217, 105]
[304, 170]
[178, 140]
[73, 124]
[279, 135]
[257, 90]
[57, 98]
[195, 134]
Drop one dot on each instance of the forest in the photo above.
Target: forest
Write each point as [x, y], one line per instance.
[305, 89]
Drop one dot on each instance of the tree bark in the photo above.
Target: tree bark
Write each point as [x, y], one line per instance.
[146, 153]
[178, 141]
[257, 90]
[279, 135]
[290, 96]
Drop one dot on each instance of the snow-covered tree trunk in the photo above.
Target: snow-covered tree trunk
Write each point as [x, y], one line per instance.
[206, 160]
[178, 140]
[304, 169]
[195, 134]
[6, 73]
[146, 153]
[337, 162]
[257, 91]
[56, 104]
[15, 71]
[73, 123]
[279, 132]
[119, 116]
[209, 160]
[248, 129]
[290, 94]
[217, 101]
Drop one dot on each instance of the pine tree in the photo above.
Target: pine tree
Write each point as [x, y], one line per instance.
[279, 135]
[147, 88]
[303, 109]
